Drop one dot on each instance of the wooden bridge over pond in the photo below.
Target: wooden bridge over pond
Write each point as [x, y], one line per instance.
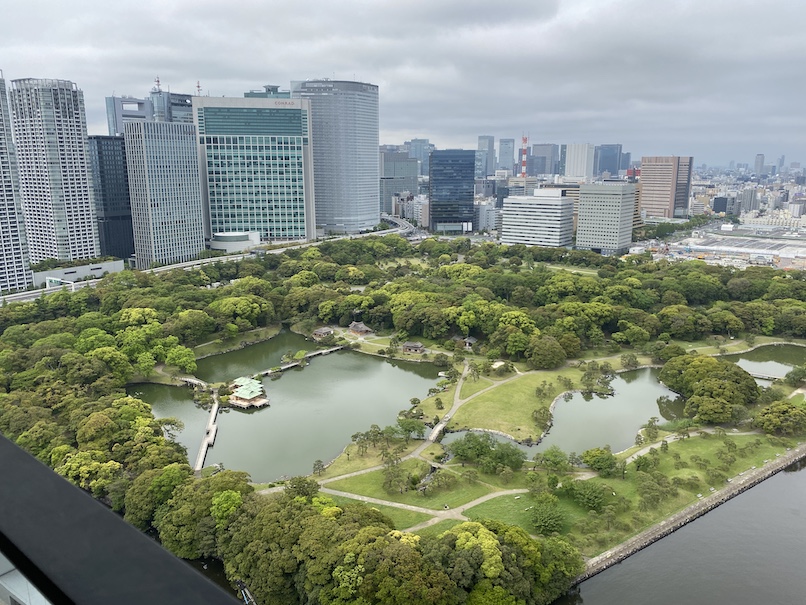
[295, 364]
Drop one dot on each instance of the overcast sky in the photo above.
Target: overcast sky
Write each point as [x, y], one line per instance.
[717, 79]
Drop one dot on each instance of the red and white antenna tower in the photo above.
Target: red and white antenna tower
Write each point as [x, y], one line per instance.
[525, 144]
[198, 88]
[157, 82]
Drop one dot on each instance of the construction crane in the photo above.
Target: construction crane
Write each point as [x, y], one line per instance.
[247, 597]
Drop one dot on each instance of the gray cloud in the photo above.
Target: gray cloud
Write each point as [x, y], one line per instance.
[717, 79]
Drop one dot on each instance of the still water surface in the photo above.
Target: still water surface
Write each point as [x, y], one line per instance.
[585, 422]
[771, 360]
[313, 412]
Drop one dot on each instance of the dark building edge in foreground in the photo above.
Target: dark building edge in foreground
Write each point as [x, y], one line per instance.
[75, 550]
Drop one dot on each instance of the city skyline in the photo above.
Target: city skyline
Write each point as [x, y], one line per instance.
[663, 82]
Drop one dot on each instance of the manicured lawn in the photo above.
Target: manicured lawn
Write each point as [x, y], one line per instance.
[509, 406]
[515, 510]
[429, 406]
[402, 518]
[433, 451]
[633, 520]
[438, 528]
[573, 269]
[371, 484]
[349, 460]
[471, 387]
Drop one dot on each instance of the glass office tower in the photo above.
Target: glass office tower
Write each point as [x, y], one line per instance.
[257, 167]
[345, 136]
[451, 182]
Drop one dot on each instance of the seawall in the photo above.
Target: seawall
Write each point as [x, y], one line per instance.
[739, 484]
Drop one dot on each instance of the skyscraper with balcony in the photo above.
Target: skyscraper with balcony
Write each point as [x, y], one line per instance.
[50, 131]
[165, 190]
[110, 183]
[665, 185]
[257, 166]
[451, 184]
[14, 273]
[345, 137]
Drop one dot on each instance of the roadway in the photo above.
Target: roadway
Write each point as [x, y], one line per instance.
[402, 228]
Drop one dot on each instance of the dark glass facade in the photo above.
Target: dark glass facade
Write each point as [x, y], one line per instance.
[111, 190]
[451, 181]
[608, 159]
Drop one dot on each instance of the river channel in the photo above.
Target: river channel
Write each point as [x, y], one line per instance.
[312, 414]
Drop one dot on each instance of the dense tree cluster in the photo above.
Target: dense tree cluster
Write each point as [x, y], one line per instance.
[715, 391]
[306, 549]
[65, 358]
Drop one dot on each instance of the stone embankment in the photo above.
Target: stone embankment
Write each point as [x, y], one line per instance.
[738, 485]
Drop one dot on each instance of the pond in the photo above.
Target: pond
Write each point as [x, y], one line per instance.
[252, 359]
[312, 414]
[770, 360]
[584, 422]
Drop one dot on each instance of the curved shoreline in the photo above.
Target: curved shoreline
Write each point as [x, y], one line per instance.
[615, 555]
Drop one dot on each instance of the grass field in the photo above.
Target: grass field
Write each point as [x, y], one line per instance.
[371, 484]
[400, 517]
[509, 407]
[429, 406]
[471, 387]
[350, 461]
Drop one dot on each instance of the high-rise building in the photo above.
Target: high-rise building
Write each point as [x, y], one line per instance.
[547, 157]
[344, 132]
[543, 219]
[50, 132]
[759, 165]
[172, 107]
[487, 144]
[451, 184]
[579, 160]
[270, 91]
[665, 185]
[626, 158]
[748, 199]
[607, 159]
[506, 154]
[399, 173]
[421, 149]
[605, 218]
[165, 190]
[257, 166]
[14, 273]
[110, 183]
[120, 110]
